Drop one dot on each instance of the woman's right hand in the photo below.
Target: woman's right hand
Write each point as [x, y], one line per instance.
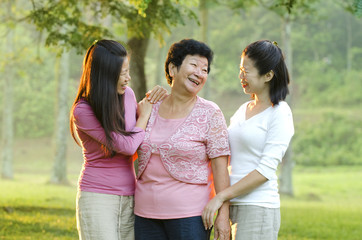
[210, 211]
[144, 110]
[158, 93]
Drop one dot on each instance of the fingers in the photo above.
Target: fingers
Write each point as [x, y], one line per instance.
[222, 235]
[156, 94]
[204, 220]
[208, 218]
[222, 227]
[221, 232]
[216, 233]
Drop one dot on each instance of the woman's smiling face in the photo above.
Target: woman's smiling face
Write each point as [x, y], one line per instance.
[251, 81]
[191, 74]
[124, 77]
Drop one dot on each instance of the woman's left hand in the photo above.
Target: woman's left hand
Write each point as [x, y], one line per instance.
[156, 94]
[210, 210]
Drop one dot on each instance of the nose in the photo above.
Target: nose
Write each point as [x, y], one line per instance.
[128, 78]
[199, 72]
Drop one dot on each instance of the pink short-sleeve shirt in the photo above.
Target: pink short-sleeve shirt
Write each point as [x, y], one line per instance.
[160, 194]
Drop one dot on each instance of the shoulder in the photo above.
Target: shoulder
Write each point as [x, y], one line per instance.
[203, 103]
[240, 111]
[243, 106]
[81, 107]
[129, 93]
[282, 108]
[281, 112]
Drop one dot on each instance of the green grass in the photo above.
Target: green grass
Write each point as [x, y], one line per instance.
[327, 202]
[327, 205]
[32, 209]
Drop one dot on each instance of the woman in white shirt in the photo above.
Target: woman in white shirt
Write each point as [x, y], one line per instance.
[259, 135]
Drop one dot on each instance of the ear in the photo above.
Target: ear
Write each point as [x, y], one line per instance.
[269, 75]
[171, 69]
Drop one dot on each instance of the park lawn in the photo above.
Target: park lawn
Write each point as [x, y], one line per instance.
[33, 209]
[327, 205]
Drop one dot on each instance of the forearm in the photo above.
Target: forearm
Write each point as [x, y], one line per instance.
[253, 180]
[221, 179]
[221, 182]
[142, 122]
[220, 172]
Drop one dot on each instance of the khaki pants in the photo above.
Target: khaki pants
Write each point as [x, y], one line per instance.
[254, 223]
[105, 216]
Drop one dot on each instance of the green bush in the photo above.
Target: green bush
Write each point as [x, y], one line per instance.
[320, 85]
[328, 138]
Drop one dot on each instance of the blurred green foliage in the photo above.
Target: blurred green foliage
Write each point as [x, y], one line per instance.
[321, 85]
[327, 74]
[328, 138]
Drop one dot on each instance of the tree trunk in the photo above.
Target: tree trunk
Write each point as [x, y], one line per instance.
[8, 129]
[138, 53]
[204, 37]
[160, 66]
[286, 174]
[349, 42]
[59, 175]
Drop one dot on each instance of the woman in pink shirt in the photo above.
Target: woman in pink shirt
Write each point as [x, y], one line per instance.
[184, 154]
[104, 118]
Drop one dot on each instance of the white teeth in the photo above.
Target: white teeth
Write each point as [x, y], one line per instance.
[194, 82]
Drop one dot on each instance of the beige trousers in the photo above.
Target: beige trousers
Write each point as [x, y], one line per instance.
[104, 216]
[254, 223]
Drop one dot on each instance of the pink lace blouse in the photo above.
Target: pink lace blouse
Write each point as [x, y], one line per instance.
[174, 176]
[186, 153]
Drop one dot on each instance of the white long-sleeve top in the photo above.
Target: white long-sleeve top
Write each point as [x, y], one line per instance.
[259, 143]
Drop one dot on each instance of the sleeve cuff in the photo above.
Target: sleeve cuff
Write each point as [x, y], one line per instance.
[138, 129]
[266, 171]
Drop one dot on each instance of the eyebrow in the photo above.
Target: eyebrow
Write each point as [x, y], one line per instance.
[199, 61]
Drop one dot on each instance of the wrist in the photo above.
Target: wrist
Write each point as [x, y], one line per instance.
[222, 196]
[223, 211]
[141, 117]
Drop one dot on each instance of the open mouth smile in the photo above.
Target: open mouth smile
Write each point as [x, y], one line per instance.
[195, 82]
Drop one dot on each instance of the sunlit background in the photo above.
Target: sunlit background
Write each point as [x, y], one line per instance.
[40, 66]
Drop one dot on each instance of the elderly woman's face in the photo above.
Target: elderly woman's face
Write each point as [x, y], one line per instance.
[192, 74]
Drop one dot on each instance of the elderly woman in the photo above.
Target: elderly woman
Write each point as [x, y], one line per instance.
[184, 154]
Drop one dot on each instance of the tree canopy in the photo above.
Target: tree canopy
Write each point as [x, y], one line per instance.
[76, 24]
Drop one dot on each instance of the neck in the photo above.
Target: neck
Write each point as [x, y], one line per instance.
[262, 99]
[177, 106]
[177, 101]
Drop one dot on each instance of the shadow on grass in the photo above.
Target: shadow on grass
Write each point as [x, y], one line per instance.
[37, 209]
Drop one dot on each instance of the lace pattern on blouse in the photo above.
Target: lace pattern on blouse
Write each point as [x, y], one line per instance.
[186, 153]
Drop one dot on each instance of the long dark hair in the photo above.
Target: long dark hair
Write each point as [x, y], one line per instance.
[268, 56]
[102, 66]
